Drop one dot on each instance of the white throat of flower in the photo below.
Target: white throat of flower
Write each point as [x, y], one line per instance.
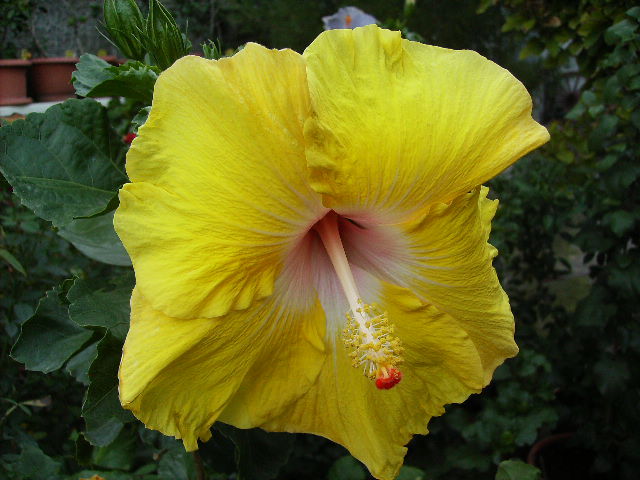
[368, 335]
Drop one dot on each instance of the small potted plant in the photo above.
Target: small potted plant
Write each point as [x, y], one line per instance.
[51, 77]
[13, 69]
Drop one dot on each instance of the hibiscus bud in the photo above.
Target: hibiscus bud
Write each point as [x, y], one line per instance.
[163, 39]
[124, 24]
[128, 138]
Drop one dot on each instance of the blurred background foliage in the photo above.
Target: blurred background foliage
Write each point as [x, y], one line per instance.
[567, 230]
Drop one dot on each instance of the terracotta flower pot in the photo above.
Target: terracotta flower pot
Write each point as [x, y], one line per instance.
[51, 78]
[13, 82]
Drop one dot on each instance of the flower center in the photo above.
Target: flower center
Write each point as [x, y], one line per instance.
[368, 335]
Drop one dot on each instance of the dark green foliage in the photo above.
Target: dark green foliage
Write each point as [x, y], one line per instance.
[96, 238]
[96, 78]
[156, 37]
[259, 455]
[346, 468]
[31, 463]
[162, 38]
[101, 408]
[577, 241]
[49, 338]
[64, 163]
[517, 470]
[125, 25]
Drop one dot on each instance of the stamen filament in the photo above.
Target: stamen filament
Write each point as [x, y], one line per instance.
[327, 228]
[368, 334]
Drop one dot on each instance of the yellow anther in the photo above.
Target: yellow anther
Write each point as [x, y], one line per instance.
[369, 338]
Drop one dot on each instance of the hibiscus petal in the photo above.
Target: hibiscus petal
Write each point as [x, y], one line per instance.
[441, 366]
[448, 262]
[178, 375]
[219, 182]
[398, 124]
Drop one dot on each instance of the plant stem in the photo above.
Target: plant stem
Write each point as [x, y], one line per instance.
[200, 474]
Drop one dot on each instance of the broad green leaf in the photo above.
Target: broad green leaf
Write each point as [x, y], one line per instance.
[84, 450]
[346, 468]
[634, 12]
[78, 365]
[118, 454]
[33, 463]
[411, 473]
[625, 279]
[259, 455]
[97, 239]
[96, 78]
[517, 470]
[49, 338]
[620, 221]
[622, 31]
[101, 409]
[63, 163]
[93, 305]
[11, 260]
[176, 464]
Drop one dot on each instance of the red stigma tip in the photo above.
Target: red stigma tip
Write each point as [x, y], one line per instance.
[385, 383]
[128, 138]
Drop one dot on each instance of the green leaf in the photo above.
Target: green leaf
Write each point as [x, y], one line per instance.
[49, 337]
[84, 450]
[11, 260]
[34, 463]
[411, 473]
[78, 365]
[634, 12]
[97, 78]
[484, 5]
[517, 470]
[97, 239]
[176, 464]
[140, 118]
[625, 279]
[101, 409]
[622, 31]
[346, 468]
[534, 47]
[63, 163]
[620, 221]
[589, 98]
[118, 454]
[91, 305]
[259, 455]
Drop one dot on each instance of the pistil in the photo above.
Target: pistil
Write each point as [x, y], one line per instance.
[367, 335]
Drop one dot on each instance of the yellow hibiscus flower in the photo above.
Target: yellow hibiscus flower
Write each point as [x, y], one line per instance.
[276, 197]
